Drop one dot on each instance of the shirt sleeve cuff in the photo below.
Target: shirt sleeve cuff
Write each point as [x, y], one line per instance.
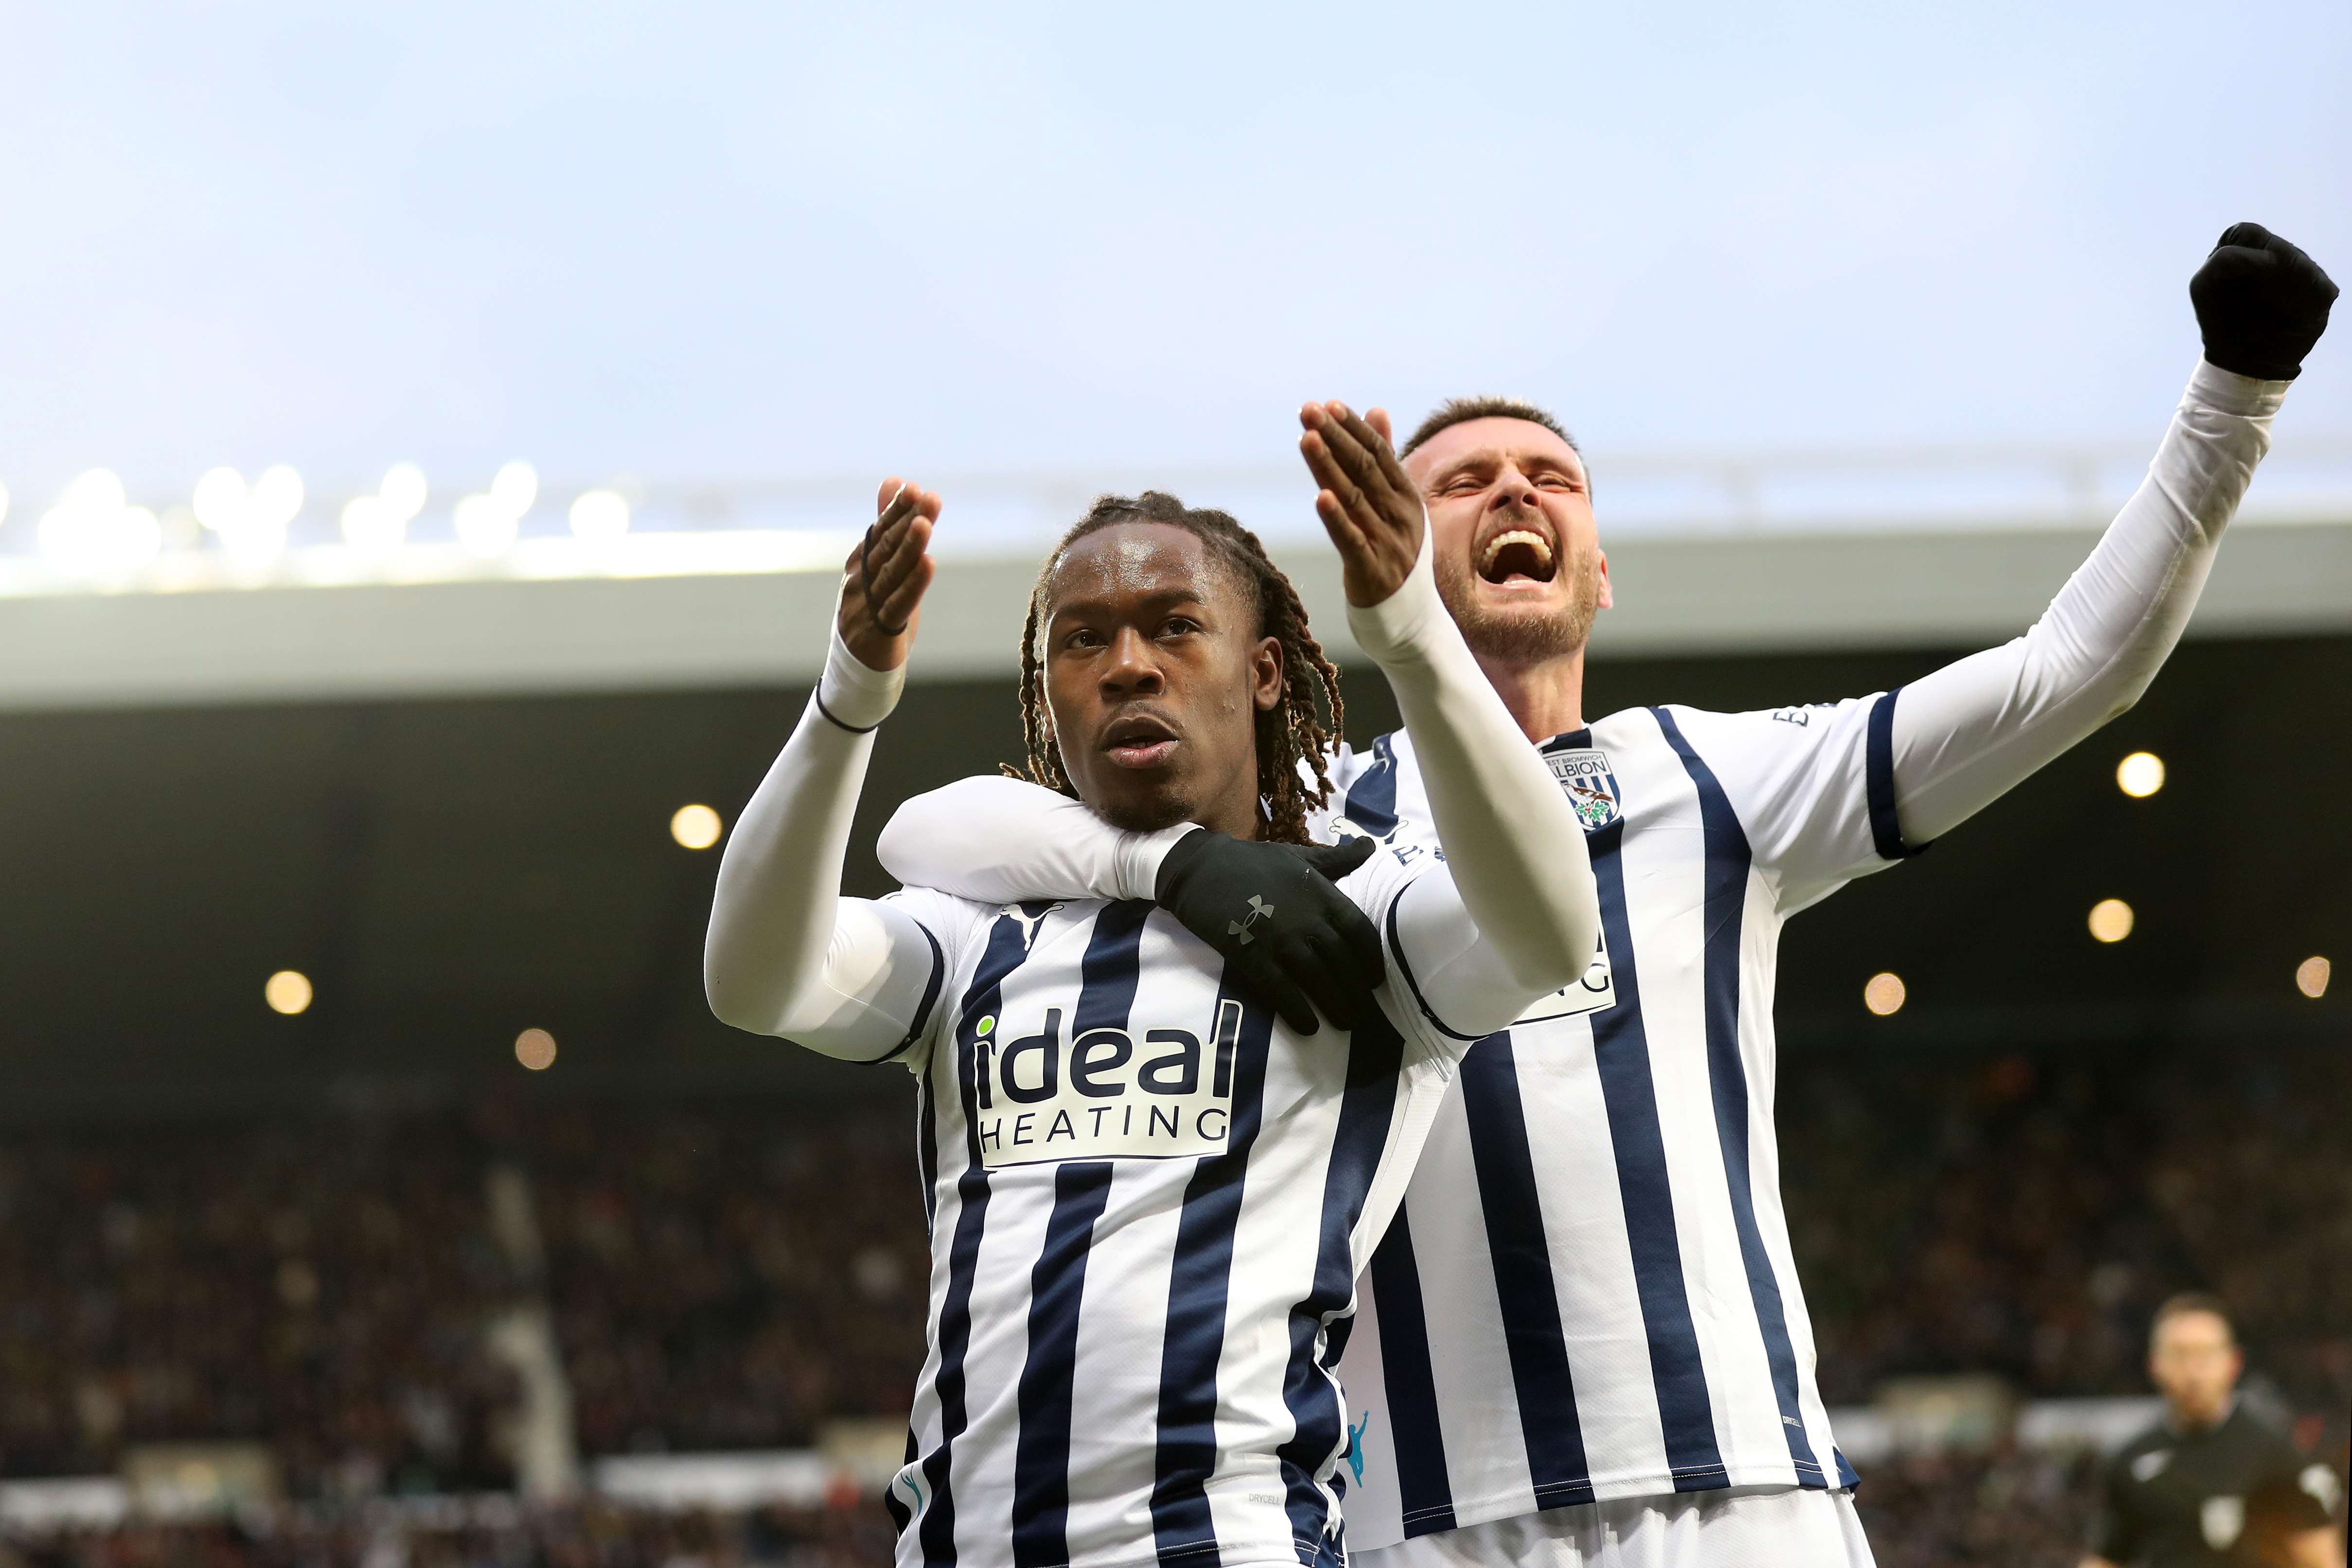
[853, 696]
[1138, 856]
[2227, 391]
[1396, 627]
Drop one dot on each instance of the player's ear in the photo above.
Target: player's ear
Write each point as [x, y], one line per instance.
[1265, 674]
[1606, 601]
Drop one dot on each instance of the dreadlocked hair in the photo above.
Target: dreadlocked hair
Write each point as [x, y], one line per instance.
[1293, 741]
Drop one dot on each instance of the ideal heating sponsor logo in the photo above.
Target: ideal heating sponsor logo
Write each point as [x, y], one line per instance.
[1107, 1094]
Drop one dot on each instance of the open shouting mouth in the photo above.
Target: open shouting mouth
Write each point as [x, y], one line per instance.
[1515, 551]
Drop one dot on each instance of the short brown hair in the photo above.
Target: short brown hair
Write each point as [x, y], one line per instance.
[2187, 1301]
[1462, 410]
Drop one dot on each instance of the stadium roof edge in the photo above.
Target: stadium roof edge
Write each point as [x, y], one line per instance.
[1719, 594]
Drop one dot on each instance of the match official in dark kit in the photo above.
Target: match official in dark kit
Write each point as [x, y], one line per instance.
[2212, 1483]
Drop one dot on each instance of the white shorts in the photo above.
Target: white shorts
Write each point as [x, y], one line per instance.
[1744, 1527]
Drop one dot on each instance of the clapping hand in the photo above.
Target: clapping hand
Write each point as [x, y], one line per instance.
[1369, 506]
[884, 579]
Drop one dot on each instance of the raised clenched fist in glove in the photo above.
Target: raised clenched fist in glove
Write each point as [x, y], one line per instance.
[2260, 303]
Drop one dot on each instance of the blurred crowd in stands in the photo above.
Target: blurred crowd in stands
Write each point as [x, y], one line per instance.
[722, 1277]
[2023, 1215]
[733, 1275]
[1924, 1512]
[593, 1535]
[1977, 1511]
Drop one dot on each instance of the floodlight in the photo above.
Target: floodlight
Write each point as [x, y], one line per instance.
[96, 491]
[484, 526]
[535, 1049]
[2111, 920]
[220, 500]
[287, 991]
[2311, 977]
[404, 490]
[696, 827]
[2140, 775]
[600, 515]
[91, 528]
[277, 496]
[1884, 994]
[373, 525]
[515, 487]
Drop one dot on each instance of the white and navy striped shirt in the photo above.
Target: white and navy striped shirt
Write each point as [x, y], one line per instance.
[1588, 1293]
[1149, 1202]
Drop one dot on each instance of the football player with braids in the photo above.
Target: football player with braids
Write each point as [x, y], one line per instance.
[1583, 1343]
[1151, 1192]
[1292, 744]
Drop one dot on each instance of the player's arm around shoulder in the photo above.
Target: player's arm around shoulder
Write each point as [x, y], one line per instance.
[998, 839]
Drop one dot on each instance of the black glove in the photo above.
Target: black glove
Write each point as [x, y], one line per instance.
[2260, 303]
[1270, 910]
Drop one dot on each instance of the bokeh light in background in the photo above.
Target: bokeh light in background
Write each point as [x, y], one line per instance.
[600, 515]
[535, 1049]
[696, 827]
[514, 488]
[404, 489]
[2140, 775]
[487, 524]
[1884, 994]
[377, 525]
[287, 991]
[2311, 977]
[251, 522]
[93, 528]
[2111, 920]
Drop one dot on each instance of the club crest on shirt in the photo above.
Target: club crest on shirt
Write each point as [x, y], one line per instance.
[1590, 784]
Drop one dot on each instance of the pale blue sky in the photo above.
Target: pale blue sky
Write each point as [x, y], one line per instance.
[726, 240]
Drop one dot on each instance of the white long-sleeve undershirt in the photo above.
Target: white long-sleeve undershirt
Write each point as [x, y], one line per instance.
[1501, 920]
[1500, 817]
[1976, 728]
[1961, 737]
[787, 955]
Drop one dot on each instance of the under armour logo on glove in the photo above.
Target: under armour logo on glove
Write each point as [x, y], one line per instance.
[1241, 928]
[1324, 956]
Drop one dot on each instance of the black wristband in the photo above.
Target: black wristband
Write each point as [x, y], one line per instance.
[818, 697]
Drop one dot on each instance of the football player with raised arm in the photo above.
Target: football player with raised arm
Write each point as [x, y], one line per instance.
[1149, 1197]
[1583, 1341]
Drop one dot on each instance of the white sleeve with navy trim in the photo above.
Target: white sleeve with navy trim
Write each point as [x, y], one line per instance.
[1831, 792]
[1965, 735]
[1810, 787]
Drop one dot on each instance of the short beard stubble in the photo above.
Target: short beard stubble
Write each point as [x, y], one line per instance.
[1527, 636]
